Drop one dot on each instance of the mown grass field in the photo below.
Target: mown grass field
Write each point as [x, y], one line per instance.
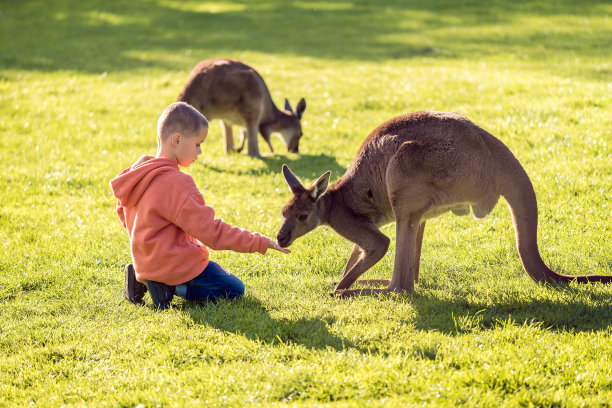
[82, 84]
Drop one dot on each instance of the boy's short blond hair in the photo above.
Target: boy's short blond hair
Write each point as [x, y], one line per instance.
[181, 118]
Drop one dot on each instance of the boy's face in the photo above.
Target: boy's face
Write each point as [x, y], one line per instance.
[187, 148]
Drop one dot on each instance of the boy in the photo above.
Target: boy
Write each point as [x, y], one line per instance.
[168, 222]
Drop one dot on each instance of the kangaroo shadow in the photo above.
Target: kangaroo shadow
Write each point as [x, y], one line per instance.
[583, 312]
[248, 317]
[306, 166]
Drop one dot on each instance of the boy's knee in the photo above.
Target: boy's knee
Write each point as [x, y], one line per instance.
[235, 288]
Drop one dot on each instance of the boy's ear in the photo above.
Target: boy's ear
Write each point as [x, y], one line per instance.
[175, 139]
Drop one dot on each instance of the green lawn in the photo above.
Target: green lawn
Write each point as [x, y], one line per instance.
[82, 84]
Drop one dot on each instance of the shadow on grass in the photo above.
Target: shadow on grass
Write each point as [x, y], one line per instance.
[306, 166]
[573, 310]
[249, 318]
[94, 36]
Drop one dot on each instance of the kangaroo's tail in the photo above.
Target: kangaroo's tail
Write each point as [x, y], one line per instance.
[518, 192]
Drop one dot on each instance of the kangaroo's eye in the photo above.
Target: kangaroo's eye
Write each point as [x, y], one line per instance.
[302, 217]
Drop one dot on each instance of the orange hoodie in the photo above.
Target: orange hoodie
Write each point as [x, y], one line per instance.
[168, 223]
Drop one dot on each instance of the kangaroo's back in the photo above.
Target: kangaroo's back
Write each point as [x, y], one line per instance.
[222, 88]
[439, 148]
[440, 136]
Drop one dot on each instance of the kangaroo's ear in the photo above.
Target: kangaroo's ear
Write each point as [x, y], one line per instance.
[288, 106]
[294, 184]
[299, 109]
[320, 186]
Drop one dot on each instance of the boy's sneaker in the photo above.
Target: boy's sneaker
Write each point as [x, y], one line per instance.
[133, 290]
[161, 294]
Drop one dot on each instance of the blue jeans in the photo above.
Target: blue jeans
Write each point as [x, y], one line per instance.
[213, 283]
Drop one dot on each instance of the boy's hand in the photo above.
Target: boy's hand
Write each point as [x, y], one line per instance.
[277, 247]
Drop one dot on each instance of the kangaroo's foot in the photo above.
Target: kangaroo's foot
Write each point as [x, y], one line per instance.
[346, 293]
[374, 281]
[368, 282]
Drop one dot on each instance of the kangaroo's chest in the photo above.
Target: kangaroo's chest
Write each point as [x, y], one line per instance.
[376, 209]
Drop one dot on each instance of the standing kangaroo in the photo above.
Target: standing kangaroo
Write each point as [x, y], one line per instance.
[235, 93]
[409, 169]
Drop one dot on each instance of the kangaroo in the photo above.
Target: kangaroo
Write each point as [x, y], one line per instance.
[409, 169]
[235, 93]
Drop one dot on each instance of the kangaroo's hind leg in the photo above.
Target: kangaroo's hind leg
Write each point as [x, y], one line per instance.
[411, 195]
[252, 142]
[405, 255]
[417, 251]
[228, 136]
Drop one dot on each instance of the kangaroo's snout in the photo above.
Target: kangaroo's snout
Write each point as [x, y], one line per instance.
[283, 239]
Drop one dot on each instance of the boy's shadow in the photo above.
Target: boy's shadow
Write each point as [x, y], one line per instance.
[249, 318]
[305, 166]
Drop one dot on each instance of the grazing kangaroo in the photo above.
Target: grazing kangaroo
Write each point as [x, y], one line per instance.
[235, 93]
[409, 169]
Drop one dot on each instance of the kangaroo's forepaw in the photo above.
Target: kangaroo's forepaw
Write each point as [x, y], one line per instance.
[336, 293]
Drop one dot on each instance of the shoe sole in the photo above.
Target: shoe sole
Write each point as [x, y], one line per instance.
[130, 283]
[160, 295]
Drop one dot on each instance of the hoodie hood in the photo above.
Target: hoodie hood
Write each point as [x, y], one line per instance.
[131, 183]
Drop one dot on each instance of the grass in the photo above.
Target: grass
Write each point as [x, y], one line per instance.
[81, 87]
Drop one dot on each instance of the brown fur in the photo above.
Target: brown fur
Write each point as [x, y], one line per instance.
[409, 169]
[235, 93]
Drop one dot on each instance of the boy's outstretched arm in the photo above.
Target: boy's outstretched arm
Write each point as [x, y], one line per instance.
[198, 220]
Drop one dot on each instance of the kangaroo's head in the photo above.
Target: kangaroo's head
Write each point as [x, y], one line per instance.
[290, 127]
[301, 214]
